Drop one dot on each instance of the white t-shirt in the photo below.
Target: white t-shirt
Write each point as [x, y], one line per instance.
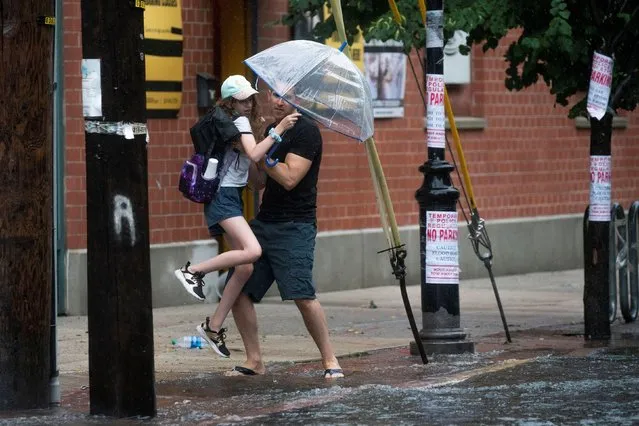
[238, 163]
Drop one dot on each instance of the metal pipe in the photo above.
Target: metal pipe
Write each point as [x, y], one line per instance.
[58, 199]
[630, 307]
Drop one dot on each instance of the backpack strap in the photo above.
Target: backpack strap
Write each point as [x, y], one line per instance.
[216, 132]
[224, 130]
[209, 151]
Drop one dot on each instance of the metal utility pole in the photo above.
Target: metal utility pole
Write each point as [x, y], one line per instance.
[597, 315]
[597, 241]
[437, 198]
[26, 220]
[121, 369]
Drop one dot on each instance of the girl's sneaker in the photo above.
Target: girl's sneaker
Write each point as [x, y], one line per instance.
[193, 282]
[215, 339]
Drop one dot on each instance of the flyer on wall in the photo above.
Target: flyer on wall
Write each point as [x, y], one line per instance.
[442, 248]
[91, 88]
[385, 69]
[600, 188]
[600, 83]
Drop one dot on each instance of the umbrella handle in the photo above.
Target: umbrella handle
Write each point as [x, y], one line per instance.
[268, 160]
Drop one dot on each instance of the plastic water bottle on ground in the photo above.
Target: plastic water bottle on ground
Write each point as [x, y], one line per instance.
[189, 342]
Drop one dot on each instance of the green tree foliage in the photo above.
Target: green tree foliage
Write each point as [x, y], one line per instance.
[555, 43]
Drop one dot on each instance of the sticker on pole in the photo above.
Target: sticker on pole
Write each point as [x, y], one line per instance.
[435, 116]
[442, 248]
[91, 88]
[600, 188]
[434, 28]
[600, 82]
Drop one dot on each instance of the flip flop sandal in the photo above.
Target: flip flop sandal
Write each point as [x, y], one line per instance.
[333, 373]
[244, 370]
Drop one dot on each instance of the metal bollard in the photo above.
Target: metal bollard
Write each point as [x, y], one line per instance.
[618, 257]
[629, 296]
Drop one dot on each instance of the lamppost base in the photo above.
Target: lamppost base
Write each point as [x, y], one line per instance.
[444, 347]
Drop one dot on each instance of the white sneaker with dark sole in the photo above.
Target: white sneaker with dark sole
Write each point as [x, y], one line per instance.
[192, 282]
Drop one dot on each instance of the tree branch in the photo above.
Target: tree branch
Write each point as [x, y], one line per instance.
[623, 6]
[635, 13]
[632, 63]
[619, 90]
[595, 12]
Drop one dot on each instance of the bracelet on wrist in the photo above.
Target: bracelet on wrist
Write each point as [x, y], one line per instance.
[272, 133]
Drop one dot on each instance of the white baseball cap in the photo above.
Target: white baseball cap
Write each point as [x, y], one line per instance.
[238, 87]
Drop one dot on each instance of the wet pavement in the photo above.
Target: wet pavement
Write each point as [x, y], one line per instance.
[548, 375]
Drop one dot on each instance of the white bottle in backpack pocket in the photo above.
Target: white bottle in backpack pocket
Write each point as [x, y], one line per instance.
[211, 169]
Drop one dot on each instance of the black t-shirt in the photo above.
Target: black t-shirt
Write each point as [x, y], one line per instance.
[300, 203]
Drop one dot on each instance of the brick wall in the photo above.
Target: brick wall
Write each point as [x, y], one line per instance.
[75, 174]
[530, 159]
[171, 217]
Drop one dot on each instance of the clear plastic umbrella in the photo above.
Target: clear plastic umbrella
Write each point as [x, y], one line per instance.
[319, 81]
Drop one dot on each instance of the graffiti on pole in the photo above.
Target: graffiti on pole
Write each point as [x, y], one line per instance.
[123, 218]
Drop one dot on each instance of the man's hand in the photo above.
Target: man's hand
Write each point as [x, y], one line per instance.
[287, 123]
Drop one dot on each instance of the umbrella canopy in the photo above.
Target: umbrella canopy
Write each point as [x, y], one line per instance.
[319, 81]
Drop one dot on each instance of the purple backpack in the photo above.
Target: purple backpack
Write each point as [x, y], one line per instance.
[212, 133]
[192, 182]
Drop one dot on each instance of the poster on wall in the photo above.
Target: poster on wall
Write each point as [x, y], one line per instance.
[163, 46]
[385, 70]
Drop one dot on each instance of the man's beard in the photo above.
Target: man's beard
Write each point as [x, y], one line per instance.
[280, 114]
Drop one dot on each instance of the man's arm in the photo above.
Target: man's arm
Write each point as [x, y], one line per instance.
[290, 172]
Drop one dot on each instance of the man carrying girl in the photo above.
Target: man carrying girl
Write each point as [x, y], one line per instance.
[224, 214]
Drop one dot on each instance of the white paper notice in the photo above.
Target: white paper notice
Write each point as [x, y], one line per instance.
[442, 248]
[91, 88]
[600, 82]
[435, 116]
[435, 28]
[600, 188]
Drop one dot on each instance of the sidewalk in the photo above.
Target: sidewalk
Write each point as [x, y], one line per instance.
[359, 320]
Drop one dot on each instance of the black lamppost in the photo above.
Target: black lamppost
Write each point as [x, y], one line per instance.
[437, 198]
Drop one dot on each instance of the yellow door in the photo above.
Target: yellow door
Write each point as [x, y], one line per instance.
[232, 30]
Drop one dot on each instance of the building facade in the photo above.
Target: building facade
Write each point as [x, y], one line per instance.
[529, 165]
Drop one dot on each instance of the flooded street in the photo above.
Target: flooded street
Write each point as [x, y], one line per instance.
[601, 388]
[576, 385]
[548, 375]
